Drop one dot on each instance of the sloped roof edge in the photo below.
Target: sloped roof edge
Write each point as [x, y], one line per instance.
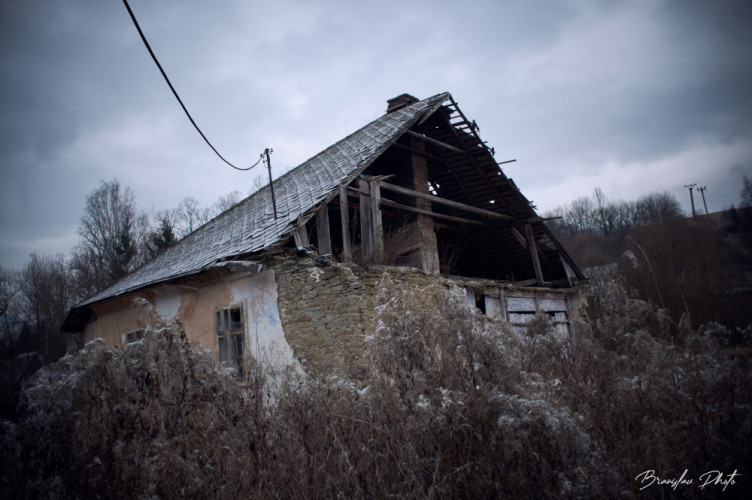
[250, 225]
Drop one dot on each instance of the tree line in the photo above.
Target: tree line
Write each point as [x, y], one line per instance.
[115, 237]
[599, 215]
[676, 262]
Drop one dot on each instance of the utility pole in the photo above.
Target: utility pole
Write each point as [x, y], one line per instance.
[702, 189]
[691, 197]
[267, 151]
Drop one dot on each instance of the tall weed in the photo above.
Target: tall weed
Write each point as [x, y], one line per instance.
[458, 405]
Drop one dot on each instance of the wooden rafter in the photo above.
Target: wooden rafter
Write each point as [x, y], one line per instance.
[443, 201]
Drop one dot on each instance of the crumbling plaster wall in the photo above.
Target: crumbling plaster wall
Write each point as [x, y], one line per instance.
[195, 307]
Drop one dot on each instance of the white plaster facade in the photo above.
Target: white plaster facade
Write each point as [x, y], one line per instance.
[195, 307]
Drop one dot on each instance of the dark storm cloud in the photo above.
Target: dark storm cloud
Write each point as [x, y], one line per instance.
[628, 96]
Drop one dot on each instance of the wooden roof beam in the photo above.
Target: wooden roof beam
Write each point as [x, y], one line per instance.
[415, 151]
[399, 206]
[437, 143]
[444, 201]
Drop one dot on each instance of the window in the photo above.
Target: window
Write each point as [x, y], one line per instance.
[133, 336]
[521, 310]
[230, 333]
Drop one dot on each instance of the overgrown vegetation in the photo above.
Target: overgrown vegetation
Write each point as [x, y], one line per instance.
[115, 238]
[699, 264]
[457, 406]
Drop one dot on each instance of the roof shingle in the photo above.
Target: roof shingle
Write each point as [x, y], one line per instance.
[250, 225]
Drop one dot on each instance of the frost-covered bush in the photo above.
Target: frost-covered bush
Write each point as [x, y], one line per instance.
[458, 405]
[663, 396]
[154, 418]
[474, 419]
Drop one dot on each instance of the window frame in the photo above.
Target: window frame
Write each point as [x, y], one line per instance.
[230, 329]
[136, 333]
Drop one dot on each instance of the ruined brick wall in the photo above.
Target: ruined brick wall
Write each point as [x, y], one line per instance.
[326, 311]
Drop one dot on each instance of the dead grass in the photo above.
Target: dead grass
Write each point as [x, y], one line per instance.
[458, 406]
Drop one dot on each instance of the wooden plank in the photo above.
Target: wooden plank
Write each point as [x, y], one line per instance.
[444, 201]
[344, 217]
[493, 307]
[567, 271]
[300, 235]
[520, 304]
[399, 206]
[366, 233]
[376, 225]
[322, 230]
[534, 253]
[519, 237]
[553, 305]
[416, 151]
[437, 143]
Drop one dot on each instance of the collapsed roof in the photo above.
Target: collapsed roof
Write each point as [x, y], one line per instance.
[482, 219]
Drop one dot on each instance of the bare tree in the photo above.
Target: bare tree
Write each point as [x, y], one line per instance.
[112, 233]
[580, 215]
[9, 314]
[258, 183]
[605, 212]
[8, 289]
[746, 193]
[652, 207]
[189, 216]
[226, 202]
[46, 294]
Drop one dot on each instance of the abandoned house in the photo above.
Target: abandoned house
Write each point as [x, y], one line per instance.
[287, 274]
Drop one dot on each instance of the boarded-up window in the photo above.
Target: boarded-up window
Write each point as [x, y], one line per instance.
[230, 334]
[521, 310]
[493, 307]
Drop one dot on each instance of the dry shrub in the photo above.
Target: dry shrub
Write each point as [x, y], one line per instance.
[465, 416]
[659, 404]
[155, 418]
[458, 406]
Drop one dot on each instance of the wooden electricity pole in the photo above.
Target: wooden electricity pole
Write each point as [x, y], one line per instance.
[271, 184]
[691, 197]
[702, 189]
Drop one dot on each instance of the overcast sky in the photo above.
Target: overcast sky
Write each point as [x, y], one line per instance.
[632, 97]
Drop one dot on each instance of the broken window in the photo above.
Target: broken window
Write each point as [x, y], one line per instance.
[230, 334]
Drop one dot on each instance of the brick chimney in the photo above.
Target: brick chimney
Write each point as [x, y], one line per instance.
[400, 102]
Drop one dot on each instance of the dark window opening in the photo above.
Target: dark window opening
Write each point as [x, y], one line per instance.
[134, 336]
[230, 334]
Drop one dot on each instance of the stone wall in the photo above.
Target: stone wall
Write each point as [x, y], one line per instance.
[326, 311]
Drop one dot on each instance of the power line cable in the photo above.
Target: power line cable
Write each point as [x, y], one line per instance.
[154, 57]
